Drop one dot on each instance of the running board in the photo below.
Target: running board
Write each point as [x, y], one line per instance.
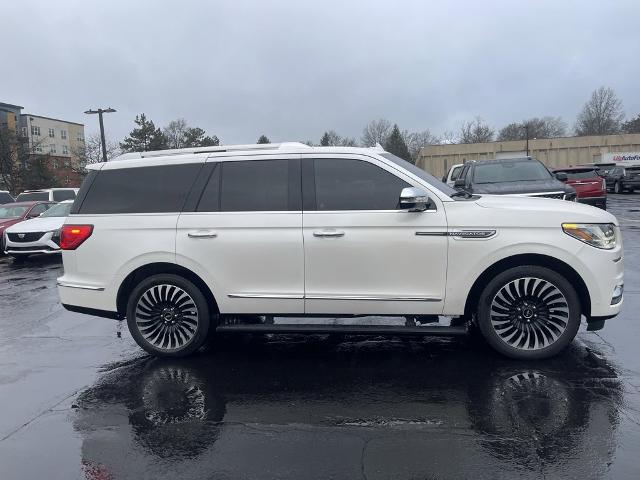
[345, 329]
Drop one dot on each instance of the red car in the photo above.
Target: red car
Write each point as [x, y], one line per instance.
[12, 213]
[590, 186]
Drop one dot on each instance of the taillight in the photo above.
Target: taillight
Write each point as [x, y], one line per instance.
[72, 236]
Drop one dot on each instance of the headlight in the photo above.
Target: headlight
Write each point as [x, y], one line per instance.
[599, 235]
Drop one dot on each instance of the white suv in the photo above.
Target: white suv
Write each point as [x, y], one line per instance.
[184, 242]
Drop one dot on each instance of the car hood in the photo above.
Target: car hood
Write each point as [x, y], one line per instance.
[38, 225]
[6, 222]
[541, 211]
[535, 186]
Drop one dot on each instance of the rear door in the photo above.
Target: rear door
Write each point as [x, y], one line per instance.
[244, 235]
[363, 255]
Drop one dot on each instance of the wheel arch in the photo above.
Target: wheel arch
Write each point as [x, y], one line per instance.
[137, 275]
[539, 260]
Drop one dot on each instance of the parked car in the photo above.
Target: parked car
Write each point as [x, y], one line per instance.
[620, 179]
[13, 213]
[6, 197]
[51, 194]
[513, 176]
[453, 174]
[588, 183]
[37, 235]
[196, 237]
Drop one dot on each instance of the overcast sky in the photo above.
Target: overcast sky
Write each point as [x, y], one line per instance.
[293, 69]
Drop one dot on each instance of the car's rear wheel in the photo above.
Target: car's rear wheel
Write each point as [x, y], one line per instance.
[529, 312]
[168, 316]
[617, 187]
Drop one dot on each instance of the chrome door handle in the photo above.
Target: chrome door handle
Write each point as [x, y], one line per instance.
[328, 233]
[202, 234]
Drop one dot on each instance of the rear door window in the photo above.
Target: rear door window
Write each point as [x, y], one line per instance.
[157, 189]
[32, 196]
[253, 186]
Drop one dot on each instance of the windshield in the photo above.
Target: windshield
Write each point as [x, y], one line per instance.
[12, 212]
[520, 171]
[418, 172]
[33, 196]
[59, 210]
[576, 174]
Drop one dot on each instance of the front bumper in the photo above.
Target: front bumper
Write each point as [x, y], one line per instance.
[44, 245]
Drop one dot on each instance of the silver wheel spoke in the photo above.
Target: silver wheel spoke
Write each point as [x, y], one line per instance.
[167, 317]
[529, 313]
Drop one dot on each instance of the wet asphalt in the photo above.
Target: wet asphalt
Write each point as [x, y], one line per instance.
[79, 402]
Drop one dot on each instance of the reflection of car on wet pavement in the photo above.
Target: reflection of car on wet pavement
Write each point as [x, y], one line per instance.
[560, 416]
[39, 235]
[220, 232]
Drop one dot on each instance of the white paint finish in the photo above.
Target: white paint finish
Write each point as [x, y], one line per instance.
[252, 256]
[379, 255]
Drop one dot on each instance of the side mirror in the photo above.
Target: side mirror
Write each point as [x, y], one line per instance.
[414, 199]
[460, 183]
[562, 176]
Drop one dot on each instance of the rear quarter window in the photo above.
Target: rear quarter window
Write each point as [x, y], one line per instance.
[157, 189]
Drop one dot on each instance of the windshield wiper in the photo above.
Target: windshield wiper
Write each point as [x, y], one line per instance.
[461, 193]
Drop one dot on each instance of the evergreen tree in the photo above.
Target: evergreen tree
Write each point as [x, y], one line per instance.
[325, 141]
[263, 139]
[144, 137]
[395, 144]
[37, 174]
[195, 137]
[632, 126]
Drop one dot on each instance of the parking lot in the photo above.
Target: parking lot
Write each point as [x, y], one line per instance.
[80, 401]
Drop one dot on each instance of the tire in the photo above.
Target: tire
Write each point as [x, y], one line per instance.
[617, 187]
[168, 316]
[511, 304]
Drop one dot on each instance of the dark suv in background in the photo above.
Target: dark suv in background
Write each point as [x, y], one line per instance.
[514, 176]
[621, 179]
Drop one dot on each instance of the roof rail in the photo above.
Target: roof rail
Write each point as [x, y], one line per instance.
[213, 149]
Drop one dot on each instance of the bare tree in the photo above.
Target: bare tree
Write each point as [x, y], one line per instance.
[545, 127]
[377, 131]
[448, 137]
[332, 139]
[416, 140]
[601, 115]
[476, 131]
[91, 152]
[175, 133]
[23, 163]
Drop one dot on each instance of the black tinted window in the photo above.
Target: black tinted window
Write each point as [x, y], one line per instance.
[5, 198]
[355, 185]
[579, 174]
[32, 196]
[250, 186]
[140, 190]
[60, 195]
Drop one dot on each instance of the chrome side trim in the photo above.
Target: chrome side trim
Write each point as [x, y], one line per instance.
[373, 297]
[431, 234]
[276, 296]
[78, 285]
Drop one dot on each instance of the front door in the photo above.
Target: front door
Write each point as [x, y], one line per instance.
[362, 254]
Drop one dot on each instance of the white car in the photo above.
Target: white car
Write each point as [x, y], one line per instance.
[37, 235]
[183, 242]
[51, 194]
[453, 174]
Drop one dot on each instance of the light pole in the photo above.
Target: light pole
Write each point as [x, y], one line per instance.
[526, 131]
[100, 111]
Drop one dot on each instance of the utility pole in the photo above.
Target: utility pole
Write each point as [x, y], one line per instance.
[526, 130]
[100, 111]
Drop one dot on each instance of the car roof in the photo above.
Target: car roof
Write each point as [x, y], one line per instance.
[201, 154]
[576, 167]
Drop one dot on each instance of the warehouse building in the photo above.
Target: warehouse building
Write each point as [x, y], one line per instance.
[553, 152]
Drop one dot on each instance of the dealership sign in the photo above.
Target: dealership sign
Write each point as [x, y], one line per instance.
[621, 157]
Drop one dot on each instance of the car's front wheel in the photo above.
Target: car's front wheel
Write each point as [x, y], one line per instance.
[168, 316]
[529, 312]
